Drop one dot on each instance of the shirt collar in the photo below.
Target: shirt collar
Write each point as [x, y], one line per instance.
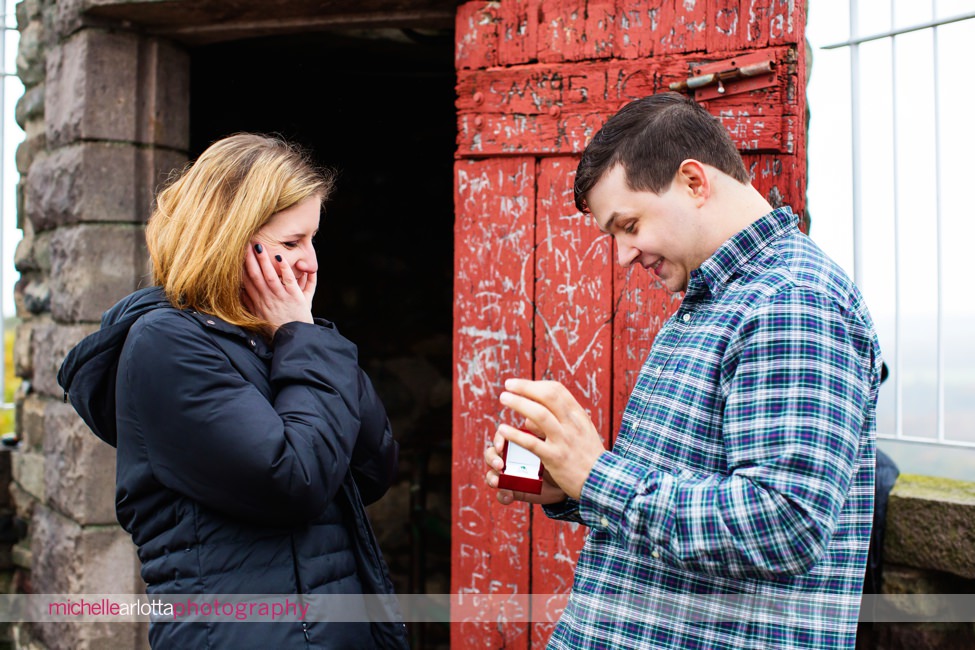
[715, 272]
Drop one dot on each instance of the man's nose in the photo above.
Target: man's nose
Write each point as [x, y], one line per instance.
[626, 254]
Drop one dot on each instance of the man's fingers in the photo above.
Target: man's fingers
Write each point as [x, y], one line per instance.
[550, 393]
[538, 413]
[529, 441]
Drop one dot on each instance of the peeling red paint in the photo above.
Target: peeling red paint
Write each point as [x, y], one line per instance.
[537, 290]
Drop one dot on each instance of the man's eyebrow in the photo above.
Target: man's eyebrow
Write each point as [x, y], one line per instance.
[609, 222]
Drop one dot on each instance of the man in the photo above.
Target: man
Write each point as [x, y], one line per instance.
[734, 509]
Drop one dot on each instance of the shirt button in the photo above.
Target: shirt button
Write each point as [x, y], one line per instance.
[253, 343]
[604, 522]
[655, 554]
[686, 318]
[210, 322]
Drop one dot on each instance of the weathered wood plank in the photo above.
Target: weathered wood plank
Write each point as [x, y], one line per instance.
[600, 29]
[684, 24]
[780, 179]
[606, 85]
[561, 26]
[638, 28]
[787, 22]
[641, 307]
[477, 35]
[488, 135]
[555, 108]
[573, 345]
[518, 30]
[493, 295]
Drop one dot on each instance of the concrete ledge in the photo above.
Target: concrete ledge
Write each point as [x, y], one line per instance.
[931, 525]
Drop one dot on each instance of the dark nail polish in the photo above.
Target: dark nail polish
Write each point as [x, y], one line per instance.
[258, 248]
[277, 257]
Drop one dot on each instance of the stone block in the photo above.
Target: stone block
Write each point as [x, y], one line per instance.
[96, 181]
[28, 471]
[30, 106]
[27, 151]
[931, 525]
[68, 558]
[69, 17]
[51, 343]
[24, 502]
[23, 348]
[33, 251]
[93, 266]
[34, 293]
[32, 423]
[6, 477]
[925, 636]
[21, 557]
[31, 54]
[80, 469]
[104, 85]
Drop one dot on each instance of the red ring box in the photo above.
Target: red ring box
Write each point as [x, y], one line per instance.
[522, 471]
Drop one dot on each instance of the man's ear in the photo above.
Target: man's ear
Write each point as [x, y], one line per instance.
[694, 177]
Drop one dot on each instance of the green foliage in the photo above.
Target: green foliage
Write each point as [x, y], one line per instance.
[10, 382]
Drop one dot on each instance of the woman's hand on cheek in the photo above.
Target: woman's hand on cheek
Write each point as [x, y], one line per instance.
[276, 299]
[308, 284]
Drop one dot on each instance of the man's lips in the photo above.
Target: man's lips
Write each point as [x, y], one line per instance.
[655, 267]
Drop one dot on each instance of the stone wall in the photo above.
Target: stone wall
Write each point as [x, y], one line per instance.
[929, 548]
[106, 118]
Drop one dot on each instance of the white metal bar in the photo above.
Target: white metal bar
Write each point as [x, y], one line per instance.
[926, 441]
[3, 216]
[856, 181]
[903, 30]
[939, 346]
[898, 357]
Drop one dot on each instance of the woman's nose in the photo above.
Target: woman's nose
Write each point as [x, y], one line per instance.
[308, 262]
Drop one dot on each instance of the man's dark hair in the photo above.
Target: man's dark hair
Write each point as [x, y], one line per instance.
[651, 137]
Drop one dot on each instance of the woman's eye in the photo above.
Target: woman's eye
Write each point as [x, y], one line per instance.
[290, 244]
[630, 228]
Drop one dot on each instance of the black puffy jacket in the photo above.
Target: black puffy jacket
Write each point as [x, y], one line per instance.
[242, 467]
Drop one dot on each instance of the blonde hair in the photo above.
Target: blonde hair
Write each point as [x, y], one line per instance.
[205, 219]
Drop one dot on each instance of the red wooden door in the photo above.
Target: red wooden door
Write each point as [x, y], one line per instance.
[537, 290]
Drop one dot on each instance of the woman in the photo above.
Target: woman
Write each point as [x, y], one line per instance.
[248, 437]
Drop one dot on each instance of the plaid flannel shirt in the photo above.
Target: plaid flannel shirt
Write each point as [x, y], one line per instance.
[734, 510]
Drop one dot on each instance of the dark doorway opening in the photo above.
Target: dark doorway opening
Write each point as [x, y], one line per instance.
[378, 106]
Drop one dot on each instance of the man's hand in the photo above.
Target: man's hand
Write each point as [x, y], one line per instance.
[551, 492]
[566, 440]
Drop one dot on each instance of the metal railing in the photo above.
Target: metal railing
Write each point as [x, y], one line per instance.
[6, 119]
[857, 155]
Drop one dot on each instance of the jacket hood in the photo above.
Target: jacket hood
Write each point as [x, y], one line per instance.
[87, 373]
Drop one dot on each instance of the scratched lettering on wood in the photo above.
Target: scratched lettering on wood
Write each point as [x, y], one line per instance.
[493, 295]
[557, 108]
[573, 344]
[477, 28]
[778, 179]
[520, 31]
[538, 291]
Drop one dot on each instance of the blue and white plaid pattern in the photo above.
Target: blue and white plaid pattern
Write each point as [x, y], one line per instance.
[734, 510]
